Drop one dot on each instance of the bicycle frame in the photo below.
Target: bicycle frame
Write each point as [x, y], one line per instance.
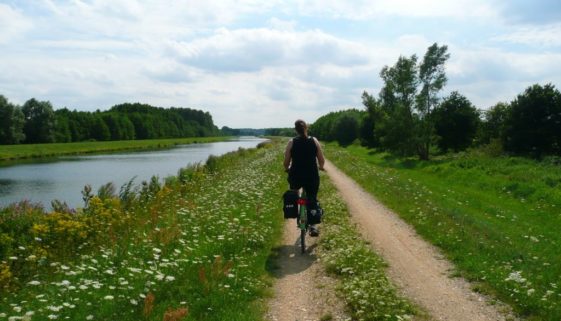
[303, 219]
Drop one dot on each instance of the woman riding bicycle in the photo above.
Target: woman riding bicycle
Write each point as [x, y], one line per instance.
[302, 156]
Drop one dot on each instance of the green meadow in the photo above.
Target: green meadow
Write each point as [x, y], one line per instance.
[13, 152]
[496, 218]
[195, 246]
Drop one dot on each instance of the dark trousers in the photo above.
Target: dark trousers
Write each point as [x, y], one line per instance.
[310, 185]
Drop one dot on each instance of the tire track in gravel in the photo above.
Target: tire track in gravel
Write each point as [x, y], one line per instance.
[415, 266]
[302, 290]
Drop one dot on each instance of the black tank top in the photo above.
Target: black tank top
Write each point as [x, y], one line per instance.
[304, 153]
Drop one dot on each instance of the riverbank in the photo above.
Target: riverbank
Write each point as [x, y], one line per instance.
[27, 151]
[192, 248]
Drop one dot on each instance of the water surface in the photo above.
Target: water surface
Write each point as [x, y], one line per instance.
[64, 178]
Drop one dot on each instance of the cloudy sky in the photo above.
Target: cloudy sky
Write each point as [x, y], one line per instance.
[265, 63]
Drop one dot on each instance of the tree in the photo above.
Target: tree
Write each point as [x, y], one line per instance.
[11, 123]
[404, 124]
[456, 122]
[62, 129]
[370, 119]
[346, 129]
[397, 97]
[432, 79]
[534, 125]
[494, 123]
[39, 121]
[100, 131]
[400, 83]
[335, 126]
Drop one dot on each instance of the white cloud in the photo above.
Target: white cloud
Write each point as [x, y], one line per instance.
[546, 36]
[263, 64]
[13, 24]
[280, 24]
[536, 12]
[246, 50]
[410, 44]
[367, 9]
[487, 76]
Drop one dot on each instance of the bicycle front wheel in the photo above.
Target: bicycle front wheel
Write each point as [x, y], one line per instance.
[303, 240]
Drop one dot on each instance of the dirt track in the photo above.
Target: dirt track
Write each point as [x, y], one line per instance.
[303, 291]
[415, 266]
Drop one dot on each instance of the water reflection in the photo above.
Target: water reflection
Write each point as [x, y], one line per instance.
[63, 178]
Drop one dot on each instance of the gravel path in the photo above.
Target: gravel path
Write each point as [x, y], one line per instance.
[302, 290]
[415, 266]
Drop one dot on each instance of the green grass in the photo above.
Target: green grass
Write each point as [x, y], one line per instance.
[497, 219]
[200, 243]
[363, 285]
[12, 152]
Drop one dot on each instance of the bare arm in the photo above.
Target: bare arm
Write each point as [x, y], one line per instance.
[321, 159]
[287, 156]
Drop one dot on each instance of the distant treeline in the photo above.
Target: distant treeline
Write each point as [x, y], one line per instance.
[258, 132]
[408, 118]
[37, 122]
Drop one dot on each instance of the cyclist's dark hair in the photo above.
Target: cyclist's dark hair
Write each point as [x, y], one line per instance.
[300, 126]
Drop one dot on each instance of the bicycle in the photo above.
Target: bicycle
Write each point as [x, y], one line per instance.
[302, 220]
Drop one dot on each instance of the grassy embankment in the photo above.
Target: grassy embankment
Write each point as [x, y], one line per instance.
[12, 152]
[196, 245]
[193, 248]
[497, 219]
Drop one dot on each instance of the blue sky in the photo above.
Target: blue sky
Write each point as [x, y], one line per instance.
[266, 63]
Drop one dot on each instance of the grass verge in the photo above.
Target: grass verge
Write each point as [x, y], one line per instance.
[192, 248]
[22, 151]
[368, 293]
[497, 219]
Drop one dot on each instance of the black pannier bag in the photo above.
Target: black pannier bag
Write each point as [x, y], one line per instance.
[315, 212]
[290, 207]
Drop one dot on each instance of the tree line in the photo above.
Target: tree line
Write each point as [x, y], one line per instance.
[257, 131]
[408, 117]
[37, 122]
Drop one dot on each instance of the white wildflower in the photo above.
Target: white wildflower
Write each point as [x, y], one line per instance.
[516, 276]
